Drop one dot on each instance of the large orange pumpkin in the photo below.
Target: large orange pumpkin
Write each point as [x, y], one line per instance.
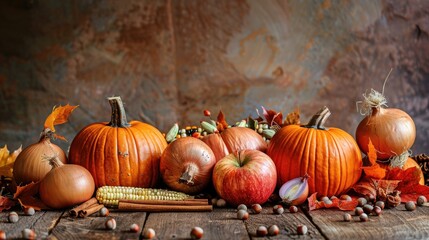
[330, 156]
[118, 152]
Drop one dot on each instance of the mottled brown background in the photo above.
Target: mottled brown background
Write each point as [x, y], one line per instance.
[169, 60]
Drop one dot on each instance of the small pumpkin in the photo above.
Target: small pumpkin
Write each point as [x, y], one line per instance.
[403, 161]
[234, 139]
[118, 153]
[330, 156]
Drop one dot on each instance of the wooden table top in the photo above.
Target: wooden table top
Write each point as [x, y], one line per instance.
[222, 223]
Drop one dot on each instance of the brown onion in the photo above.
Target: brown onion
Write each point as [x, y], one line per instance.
[66, 185]
[31, 165]
[234, 139]
[392, 131]
[186, 165]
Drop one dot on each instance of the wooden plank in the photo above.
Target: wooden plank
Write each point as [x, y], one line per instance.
[42, 222]
[219, 224]
[92, 227]
[392, 224]
[287, 223]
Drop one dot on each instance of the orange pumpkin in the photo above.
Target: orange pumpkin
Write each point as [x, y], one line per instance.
[118, 152]
[330, 156]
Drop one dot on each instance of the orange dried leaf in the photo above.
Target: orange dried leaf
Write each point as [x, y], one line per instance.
[408, 183]
[292, 118]
[375, 170]
[27, 196]
[365, 187]
[222, 124]
[7, 160]
[314, 204]
[6, 203]
[58, 116]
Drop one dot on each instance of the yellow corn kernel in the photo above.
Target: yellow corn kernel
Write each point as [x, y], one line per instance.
[110, 195]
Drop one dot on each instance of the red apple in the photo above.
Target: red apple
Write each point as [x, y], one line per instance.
[245, 177]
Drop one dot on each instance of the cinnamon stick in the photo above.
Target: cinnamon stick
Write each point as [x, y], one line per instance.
[126, 206]
[191, 202]
[75, 211]
[90, 210]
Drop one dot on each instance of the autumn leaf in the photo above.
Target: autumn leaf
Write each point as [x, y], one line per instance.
[27, 196]
[292, 118]
[6, 203]
[314, 204]
[272, 117]
[408, 185]
[7, 160]
[374, 170]
[365, 187]
[221, 122]
[58, 116]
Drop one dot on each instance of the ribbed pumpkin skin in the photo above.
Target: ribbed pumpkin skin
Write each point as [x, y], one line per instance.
[330, 157]
[119, 156]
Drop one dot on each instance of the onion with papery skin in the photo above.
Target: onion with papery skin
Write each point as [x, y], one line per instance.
[234, 139]
[392, 131]
[31, 164]
[295, 191]
[186, 165]
[66, 185]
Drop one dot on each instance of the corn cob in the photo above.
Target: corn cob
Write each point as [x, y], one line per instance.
[110, 195]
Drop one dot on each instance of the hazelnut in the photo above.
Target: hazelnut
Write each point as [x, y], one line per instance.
[197, 233]
[421, 200]
[361, 201]
[242, 206]
[29, 211]
[380, 204]
[110, 224]
[326, 200]
[262, 231]
[134, 228]
[293, 209]
[103, 212]
[358, 211]
[301, 229]
[256, 208]
[221, 203]
[377, 211]
[273, 230]
[2, 235]
[347, 217]
[367, 208]
[13, 217]
[242, 214]
[410, 206]
[363, 217]
[28, 234]
[148, 233]
[278, 209]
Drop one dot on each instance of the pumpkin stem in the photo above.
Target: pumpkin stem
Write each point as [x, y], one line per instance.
[318, 120]
[188, 176]
[119, 118]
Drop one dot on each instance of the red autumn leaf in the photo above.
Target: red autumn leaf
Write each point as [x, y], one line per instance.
[27, 196]
[221, 122]
[58, 116]
[409, 183]
[6, 203]
[314, 204]
[375, 170]
[272, 117]
[365, 187]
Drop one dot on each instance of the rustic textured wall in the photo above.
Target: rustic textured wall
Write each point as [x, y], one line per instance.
[169, 60]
